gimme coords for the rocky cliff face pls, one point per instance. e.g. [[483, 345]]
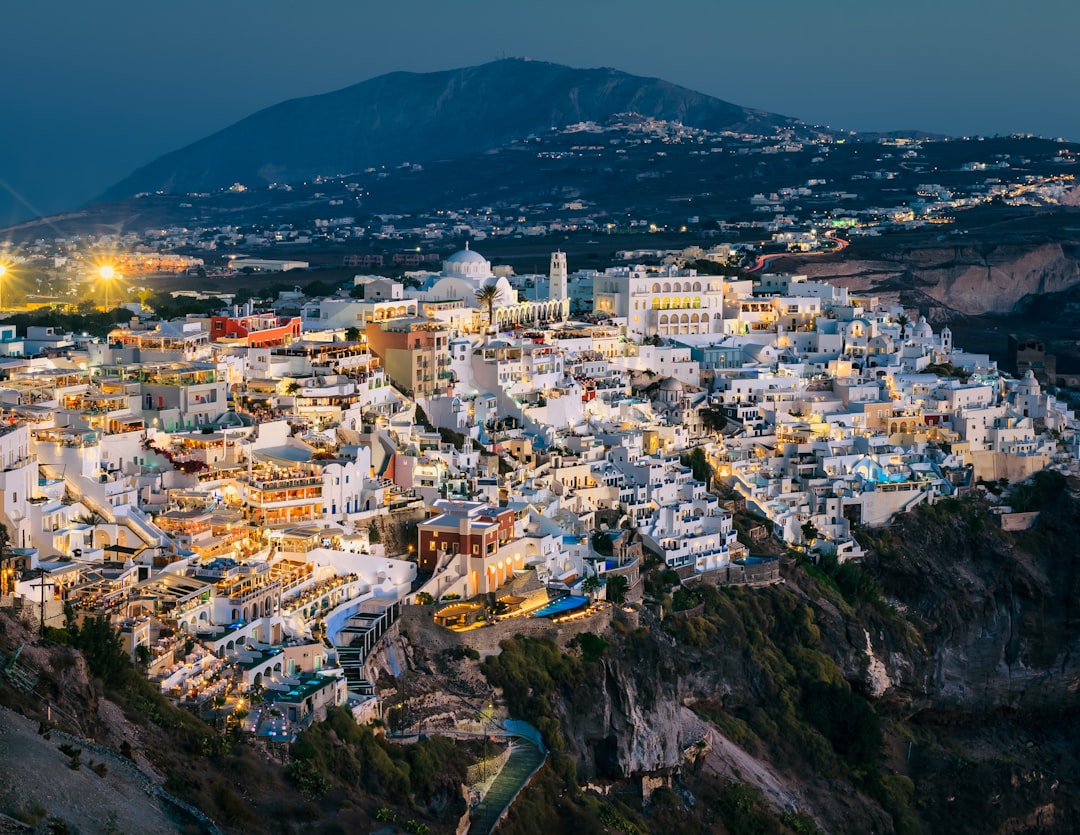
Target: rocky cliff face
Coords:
[[1001, 613], [968, 279], [625, 720], [983, 639]]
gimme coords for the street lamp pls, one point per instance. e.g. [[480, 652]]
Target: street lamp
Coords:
[[106, 272]]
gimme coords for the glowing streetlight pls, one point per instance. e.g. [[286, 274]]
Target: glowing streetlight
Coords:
[[106, 272]]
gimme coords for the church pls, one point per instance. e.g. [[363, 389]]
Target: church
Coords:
[[464, 273]]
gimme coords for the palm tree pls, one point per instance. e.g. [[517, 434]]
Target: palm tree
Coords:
[[617, 587], [903, 321], [487, 296], [590, 585], [93, 519]]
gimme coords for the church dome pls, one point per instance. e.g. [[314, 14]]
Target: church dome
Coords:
[[466, 256], [468, 264]]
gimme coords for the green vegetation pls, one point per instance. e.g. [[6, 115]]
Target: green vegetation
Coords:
[[530, 672], [1038, 492], [698, 462], [804, 710], [592, 646], [617, 587], [601, 543], [339, 753]]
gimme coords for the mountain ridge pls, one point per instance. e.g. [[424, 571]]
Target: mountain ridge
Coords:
[[416, 117]]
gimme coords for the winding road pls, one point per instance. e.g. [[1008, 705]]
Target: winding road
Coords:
[[763, 260]]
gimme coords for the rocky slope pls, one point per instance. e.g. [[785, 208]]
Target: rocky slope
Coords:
[[967, 279]]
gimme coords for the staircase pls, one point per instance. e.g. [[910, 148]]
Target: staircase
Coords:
[[355, 641], [525, 760]]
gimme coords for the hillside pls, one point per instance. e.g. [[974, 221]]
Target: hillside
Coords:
[[416, 117], [931, 689]]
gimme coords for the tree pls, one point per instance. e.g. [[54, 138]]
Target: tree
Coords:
[[590, 585], [487, 296], [601, 543], [617, 587], [903, 321], [698, 462], [93, 519], [713, 419], [352, 334], [809, 531]]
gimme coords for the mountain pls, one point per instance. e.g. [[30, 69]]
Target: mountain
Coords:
[[417, 117]]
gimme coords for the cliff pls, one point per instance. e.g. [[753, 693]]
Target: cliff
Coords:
[[969, 279], [895, 696]]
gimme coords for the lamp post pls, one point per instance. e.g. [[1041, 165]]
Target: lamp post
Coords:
[[106, 272]]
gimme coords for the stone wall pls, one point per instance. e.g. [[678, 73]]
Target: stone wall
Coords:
[[755, 574], [1017, 521]]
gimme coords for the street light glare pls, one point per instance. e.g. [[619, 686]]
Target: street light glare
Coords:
[[3, 270], [106, 272]]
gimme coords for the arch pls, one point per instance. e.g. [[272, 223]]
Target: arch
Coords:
[[667, 286], [685, 318], [258, 680], [235, 615], [656, 287], [676, 287], [663, 319], [696, 287], [687, 301], [656, 304]]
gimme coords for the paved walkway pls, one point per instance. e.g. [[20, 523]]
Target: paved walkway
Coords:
[[525, 759]]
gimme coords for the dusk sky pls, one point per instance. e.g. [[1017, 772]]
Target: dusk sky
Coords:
[[94, 90]]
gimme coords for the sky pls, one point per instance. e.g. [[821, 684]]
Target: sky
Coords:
[[93, 90]]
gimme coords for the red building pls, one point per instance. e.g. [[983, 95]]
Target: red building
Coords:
[[475, 529], [256, 330]]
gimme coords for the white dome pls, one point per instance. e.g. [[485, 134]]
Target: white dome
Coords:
[[467, 264], [466, 256]]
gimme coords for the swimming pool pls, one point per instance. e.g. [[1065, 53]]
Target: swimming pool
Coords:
[[560, 606]]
